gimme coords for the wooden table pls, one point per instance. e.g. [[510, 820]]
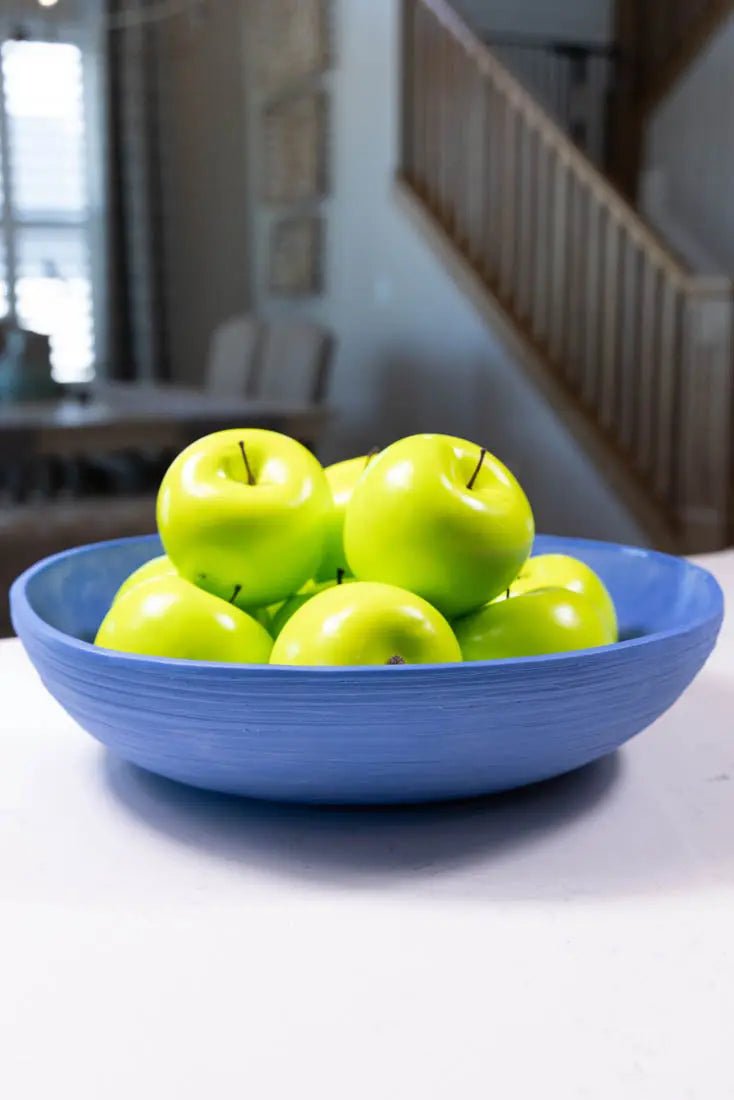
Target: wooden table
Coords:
[[123, 416]]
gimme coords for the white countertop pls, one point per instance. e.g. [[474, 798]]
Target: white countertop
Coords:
[[573, 941]]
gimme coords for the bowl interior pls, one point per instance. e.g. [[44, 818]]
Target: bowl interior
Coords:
[[654, 593], [72, 592]]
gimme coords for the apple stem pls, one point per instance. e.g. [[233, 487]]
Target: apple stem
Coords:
[[507, 594], [475, 475], [235, 594], [340, 574], [373, 454], [245, 459], [396, 660]]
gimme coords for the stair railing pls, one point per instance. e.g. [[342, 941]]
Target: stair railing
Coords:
[[644, 345], [572, 80]]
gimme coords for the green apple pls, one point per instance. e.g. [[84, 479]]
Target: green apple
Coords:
[[545, 620], [242, 514], [563, 571], [442, 518], [163, 567], [365, 624], [287, 610], [260, 615], [156, 567], [342, 477], [169, 617]]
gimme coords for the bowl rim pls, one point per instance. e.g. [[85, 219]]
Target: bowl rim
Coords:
[[22, 610]]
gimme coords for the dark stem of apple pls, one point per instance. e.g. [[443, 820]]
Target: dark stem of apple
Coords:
[[475, 475], [235, 594], [245, 459], [340, 574], [507, 594], [396, 660], [373, 454]]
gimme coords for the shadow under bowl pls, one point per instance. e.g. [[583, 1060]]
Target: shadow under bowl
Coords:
[[369, 735]]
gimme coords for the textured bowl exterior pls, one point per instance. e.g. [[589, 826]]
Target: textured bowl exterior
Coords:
[[369, 735]]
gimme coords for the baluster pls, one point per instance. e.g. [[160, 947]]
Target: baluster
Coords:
[[611, 321], [484, 198], [432, 116], [508, 241], [575, 311], [670, 344], [571, 311], [494, 189], [476, 174], [629, 355], [456, 140], [590, 385], [464, 71], [440, 107], [649, 352], [525, 266], [542, 224], [445, 125], [559, 260], [550, 239], [569, 349]]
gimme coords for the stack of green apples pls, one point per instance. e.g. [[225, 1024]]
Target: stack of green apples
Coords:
[[418, 554]]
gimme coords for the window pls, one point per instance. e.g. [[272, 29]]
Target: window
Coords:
[[45, 253]]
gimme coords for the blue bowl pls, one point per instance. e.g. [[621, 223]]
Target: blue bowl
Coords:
[[369, 735]]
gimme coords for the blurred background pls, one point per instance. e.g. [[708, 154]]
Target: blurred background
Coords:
[[351, 220]]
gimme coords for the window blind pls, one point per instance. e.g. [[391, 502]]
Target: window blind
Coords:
[[45, 268]]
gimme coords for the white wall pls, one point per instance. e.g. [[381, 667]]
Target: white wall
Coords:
[[584, 19], [691, 151], [414, 355]]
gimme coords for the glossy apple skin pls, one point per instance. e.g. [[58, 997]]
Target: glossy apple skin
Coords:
[[156, 567], [545, 620], [413, 522], [163, 567], [169, 617], [287, 610], [342, 477], [563, 571], [222, 533], [365, 624]]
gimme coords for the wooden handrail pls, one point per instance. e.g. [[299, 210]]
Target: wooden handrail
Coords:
[[489, 63], [640, 340]]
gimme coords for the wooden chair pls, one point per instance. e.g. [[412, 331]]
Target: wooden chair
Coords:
[[232, 355], [293, 363]]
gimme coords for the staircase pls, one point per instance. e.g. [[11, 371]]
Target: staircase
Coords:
[[571, 79], [633, 350]]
